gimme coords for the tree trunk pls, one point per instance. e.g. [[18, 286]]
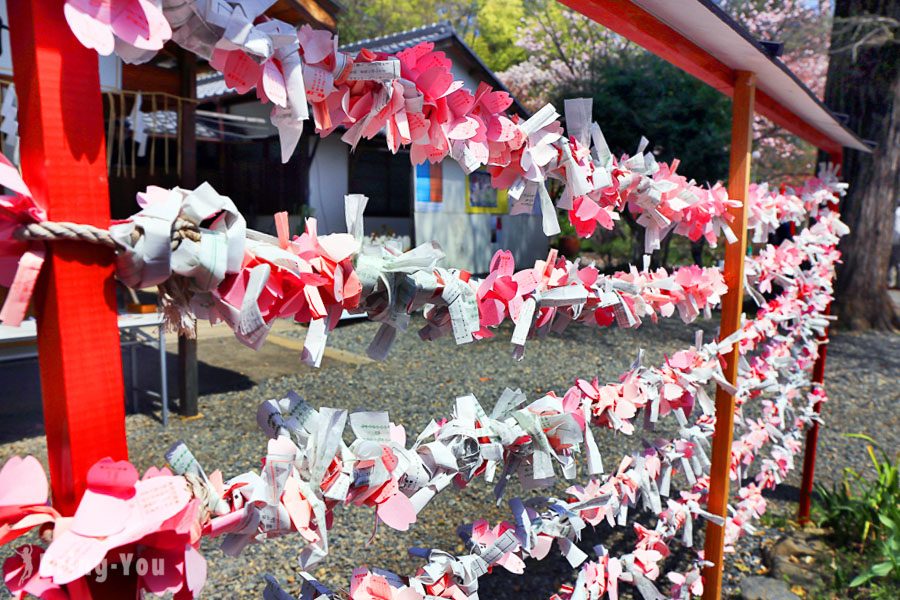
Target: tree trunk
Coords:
[[867, 88]]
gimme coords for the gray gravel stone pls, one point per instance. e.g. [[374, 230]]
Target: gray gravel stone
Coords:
[[766, 588], [420, 380]]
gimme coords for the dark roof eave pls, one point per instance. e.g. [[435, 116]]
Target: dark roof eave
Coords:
[[436, 33], [744, 33]]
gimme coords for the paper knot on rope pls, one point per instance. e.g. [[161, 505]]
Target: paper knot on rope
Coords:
[[195, 246], [185, 241]]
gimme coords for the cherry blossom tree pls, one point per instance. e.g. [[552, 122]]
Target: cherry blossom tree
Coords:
[[565, 50], [804, 27]]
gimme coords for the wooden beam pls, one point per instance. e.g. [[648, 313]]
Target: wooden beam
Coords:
[[644, 29], [784, 118], [149, 78], [187, 132], [732, 304], [64, 163], [633, 22], [296, 12], [318, 13]]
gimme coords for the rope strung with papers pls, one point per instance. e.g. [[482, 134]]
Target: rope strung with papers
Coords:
[[195, 246], [308, 470], [52, 231]]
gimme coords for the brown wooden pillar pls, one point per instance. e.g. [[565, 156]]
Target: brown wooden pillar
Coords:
[[187, 138]]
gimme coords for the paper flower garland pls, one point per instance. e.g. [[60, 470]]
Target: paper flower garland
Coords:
[[196, 247], [413, 99], [308, 470]]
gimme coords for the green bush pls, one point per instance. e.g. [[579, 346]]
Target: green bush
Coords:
[[864, 516]]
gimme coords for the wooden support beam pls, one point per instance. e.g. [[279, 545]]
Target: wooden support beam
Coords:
[[64, 164], [633, 22], [187, 133], [150, 78], [732, 303]]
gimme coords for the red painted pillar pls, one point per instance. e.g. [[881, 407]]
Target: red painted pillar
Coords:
[[742, 110], [812, 436], [64, 163]]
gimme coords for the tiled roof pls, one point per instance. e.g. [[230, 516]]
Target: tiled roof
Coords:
[[165, 123], [436, 32], [395, 42], [212, 85]]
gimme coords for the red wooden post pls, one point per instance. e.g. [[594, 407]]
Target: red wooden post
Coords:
[[64, 163], [732, 303], [812, 436]]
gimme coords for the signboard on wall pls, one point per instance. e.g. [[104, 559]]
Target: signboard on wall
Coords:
[[429, 187], [482, 197]]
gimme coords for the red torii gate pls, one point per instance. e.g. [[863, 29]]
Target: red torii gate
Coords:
[[699, 38], [63, 156], [64, 163]]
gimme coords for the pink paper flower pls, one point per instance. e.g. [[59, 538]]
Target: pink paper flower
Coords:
[[117, 509], [23, 498], [614, 404], [20, 262], [366, 585], [499, 295], [586, 214], [107, 25], [484, 536], [686, 585]]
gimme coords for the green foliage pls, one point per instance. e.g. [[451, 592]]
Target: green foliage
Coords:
[[374, 18], [774, 520], [615, 251], [565, 225], [864, 516], [488, 26], [495, 33]]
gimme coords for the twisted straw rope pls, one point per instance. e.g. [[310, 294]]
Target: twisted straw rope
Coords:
[[53, 231]]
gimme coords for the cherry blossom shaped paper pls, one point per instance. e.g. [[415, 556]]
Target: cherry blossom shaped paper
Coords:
[[103, 24]]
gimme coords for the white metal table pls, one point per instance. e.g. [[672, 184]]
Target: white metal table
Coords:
[[17, 343]]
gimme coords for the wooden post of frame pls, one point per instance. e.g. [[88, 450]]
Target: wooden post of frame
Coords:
[[64, 163], [188, 384], [738, 188]]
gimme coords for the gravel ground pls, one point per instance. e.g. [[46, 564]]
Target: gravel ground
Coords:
[[420, 380]]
